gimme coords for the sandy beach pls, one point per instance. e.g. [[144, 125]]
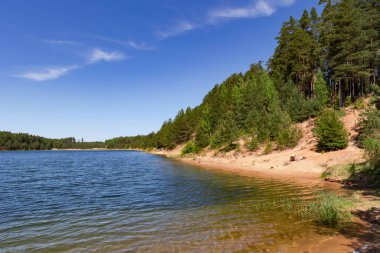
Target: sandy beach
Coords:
[[308, 165]]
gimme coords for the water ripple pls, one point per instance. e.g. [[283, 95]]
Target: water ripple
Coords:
[[134, 202]]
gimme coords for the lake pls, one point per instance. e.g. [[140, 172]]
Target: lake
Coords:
[[129, 201]]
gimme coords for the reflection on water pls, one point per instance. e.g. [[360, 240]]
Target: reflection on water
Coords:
[[118, 201]]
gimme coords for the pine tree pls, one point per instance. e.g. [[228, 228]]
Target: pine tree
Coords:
[[321, 90], [203, 133], [330, 132], [227, 131]]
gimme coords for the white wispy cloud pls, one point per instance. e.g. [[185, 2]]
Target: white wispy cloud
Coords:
[[139, 46], [252, 9], [126, 43], [63, 42], [47, 73], [95, 55], [179, 28], [51, 73], [98, 55], [255, 9]]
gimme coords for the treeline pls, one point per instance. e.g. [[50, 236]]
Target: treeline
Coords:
[[343, 43], [22, 141], [327, 60]]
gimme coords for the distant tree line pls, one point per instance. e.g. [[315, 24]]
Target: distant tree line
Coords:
[[21, 141], [327, 60]]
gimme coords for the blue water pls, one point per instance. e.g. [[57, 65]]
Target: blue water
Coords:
[[127, 201]]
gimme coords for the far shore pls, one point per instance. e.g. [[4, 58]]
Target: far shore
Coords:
[[74, 149]]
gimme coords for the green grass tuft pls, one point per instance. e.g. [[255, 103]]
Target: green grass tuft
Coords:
[[325, 208], [329, 209]]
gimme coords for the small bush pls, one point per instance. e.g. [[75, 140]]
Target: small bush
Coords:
[[340, 113], [268, 148], [330, 132], [369, 126], [372, 150], [347, 101], [374, 89], [369, 138], [377, 103], [190, 148], [253, 145], [288, 137], [359, 103]]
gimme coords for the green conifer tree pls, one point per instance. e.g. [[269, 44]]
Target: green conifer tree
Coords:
[[330, 132], [321, 90]]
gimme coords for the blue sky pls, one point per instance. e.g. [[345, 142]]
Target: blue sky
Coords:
[[97, 69]]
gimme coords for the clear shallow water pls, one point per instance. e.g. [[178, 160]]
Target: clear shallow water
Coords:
[[126, 201]]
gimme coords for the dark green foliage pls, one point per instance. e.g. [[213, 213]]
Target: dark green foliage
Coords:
[[172, 133], [294, 56], [203, 132], [288, 137], [297, 105], [227, 131], [350, 37], [268, 148], [369, 125], [374, 89], [372, 151], [343, 43], [330, 132], [253, 144], [190, 148], [369, 136], [321, 90], [21, 141], [376, 102]]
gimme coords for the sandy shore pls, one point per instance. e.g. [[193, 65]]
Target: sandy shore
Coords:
[[308, 165]]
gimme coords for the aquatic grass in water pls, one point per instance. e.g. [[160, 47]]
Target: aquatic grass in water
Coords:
[[329, 209], [325, 208]]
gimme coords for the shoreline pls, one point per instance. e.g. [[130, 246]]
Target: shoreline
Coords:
[[274, 165], [307, 165], [360, 235]]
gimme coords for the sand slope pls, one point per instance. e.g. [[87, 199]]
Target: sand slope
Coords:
[[309, 163]]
